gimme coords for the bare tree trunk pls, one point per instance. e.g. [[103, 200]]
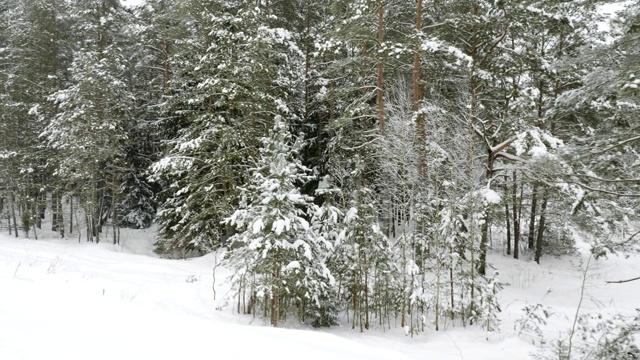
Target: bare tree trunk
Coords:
[[39, 208], [508, 218], [516, 218], [541, 225], [366, 298], [71, 214], [403, 309], [60, 219], [114, 215], [54, 210], [275, 298], [418, 96], [114, 225], [97, 215], [484, 242], [451, 288], [532, 219], [33, 224], [379, 80], [13, 212], [9, 224], [42, 206], [165, 68], [89, 229]]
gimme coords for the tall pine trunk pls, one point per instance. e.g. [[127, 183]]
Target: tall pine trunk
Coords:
[[532, 219], [541, 225], [13, 212], [380, 75], [508, 219], [71, 213], [516, 217], [54, 210], [421, 126]]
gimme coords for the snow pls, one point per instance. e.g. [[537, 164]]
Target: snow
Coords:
[[489, 196], [280, 225], [538, 152], [609, 12], [257, 226], [293, 265], [131, 3], [67, 300], [64, 300]]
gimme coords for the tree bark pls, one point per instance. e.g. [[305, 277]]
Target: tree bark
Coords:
[[532, 219], [508, 218], [379, 80], [71, 214], [421, 126], [541, 225], [60, 215], [13, 212], [114, 210], [516, 218], [484, 242]]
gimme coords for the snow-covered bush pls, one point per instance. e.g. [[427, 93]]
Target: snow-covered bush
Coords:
[[598, 337], [488, 304], [529, 325]]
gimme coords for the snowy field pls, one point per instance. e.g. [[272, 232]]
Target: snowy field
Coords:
[[61, 299]]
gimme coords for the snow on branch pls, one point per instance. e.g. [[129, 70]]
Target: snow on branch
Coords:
[[509, 157], [498, 148]]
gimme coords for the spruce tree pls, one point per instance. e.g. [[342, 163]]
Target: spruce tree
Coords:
[[279, 263], [234, 71], [93, 112]]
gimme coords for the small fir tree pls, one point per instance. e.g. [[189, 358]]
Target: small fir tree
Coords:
[[277, 261]]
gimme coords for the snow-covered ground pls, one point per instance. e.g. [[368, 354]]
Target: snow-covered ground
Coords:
[[60, 299]]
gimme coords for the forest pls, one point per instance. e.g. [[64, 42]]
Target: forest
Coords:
[[359, 159]]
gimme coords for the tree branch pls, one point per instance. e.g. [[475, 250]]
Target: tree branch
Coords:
[[623, 281]]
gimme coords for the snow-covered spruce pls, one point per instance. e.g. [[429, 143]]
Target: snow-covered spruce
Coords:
[[278, 262]]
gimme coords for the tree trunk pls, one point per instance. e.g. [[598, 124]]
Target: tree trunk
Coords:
[[516, 218], [114, 224], [39, 208], [421, 126], [60, 212], [541, 225], [54, 210], [89, 229], [13, 212], [33, 224], [275, 292], [366, 294], [508, 218], [451, 288], [380, 76], [71, 214], [484, 242], [114, 215], [532, 219], [165, 68]]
